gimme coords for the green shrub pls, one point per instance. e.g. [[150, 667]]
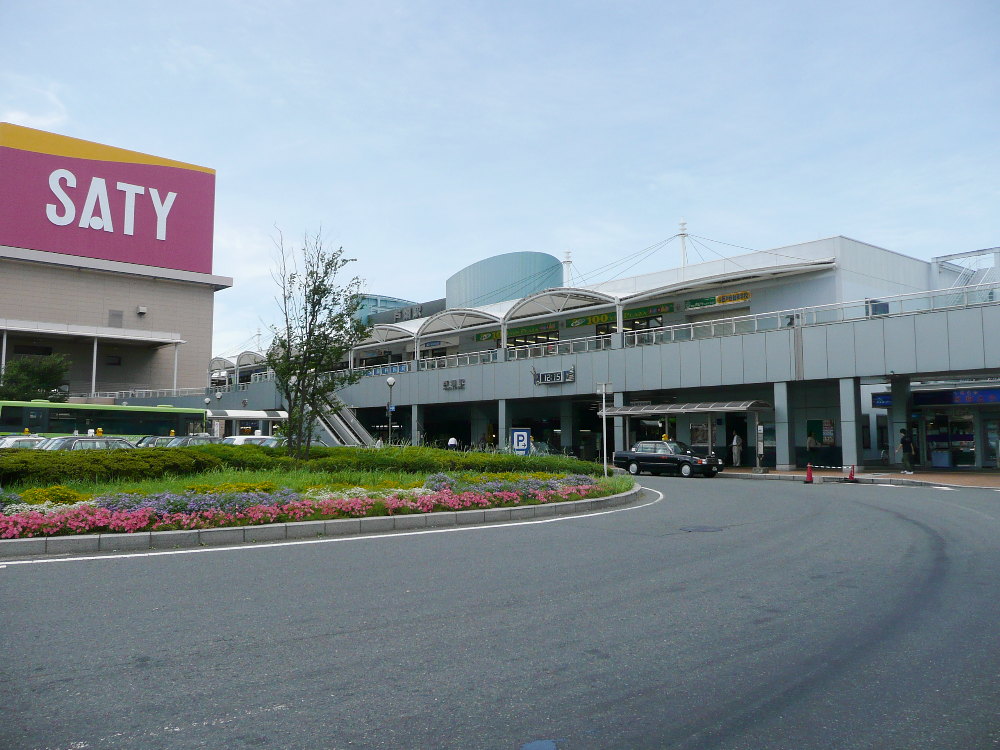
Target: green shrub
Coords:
[[52, 467], [57, 493]]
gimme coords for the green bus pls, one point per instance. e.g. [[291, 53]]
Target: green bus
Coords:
[[50, 419]]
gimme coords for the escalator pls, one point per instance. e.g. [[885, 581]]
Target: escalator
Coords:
[[343, 428]]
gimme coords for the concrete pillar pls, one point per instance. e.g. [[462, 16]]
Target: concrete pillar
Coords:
[[618, 340], [567, 426], [503, 424], [93, 369], [850, 423], [3, 353], [177, 348], [899, 416], [784, 437], [416, 424], [619, 400]]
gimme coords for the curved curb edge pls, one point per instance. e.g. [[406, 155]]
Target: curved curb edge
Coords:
[[144, 541]]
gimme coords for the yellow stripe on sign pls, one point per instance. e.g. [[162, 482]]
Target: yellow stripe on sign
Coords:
[[41, 142]]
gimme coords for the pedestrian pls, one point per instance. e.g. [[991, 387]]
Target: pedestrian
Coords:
[[811, 443], [453, 443], [906, 451], [737, 446]]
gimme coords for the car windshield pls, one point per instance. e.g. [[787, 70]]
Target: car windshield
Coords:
[[679, 447]]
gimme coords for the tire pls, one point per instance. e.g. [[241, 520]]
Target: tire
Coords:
[[711, 472], [633, 469], [685, 470]]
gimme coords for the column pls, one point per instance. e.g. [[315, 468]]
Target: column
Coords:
[[3, 353], [93, 369], [567, 427], [503, 426], [899, 387], [503, 343], [176, 350], [850, 423], [783, 433], [618, 340], [619, 400], [416, 421]]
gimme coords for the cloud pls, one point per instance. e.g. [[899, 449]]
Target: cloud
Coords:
[[32, 104]]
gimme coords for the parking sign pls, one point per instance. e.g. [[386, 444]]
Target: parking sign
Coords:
[[520, 440]]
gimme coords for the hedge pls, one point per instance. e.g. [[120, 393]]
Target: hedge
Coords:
[[31, 467]]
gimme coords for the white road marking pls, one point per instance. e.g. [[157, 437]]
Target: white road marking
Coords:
[[332, 540]]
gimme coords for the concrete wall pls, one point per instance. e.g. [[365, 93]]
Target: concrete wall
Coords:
[[36, 292]]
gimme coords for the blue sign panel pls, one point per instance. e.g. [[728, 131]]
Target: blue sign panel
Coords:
[[881, 400], [520, 440]]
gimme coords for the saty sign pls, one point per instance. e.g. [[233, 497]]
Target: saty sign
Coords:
[[65, 195]]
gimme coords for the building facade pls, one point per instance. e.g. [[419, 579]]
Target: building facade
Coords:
[[811, 340]]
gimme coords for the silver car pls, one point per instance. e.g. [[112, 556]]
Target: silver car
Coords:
[[85, 442]]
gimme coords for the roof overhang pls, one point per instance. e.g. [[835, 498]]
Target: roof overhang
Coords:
[[449, 321], [702, 407], [743, 276], [247, 414], [104, 333], [554, 301]]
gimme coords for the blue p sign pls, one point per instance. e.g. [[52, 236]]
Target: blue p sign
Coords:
[[520, 440]]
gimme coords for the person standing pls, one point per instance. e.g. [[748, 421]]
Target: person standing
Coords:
[[906, 451], [737, 446]]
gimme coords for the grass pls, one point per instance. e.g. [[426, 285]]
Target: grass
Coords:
[[299, 480]]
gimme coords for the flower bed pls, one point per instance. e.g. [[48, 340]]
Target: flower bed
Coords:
[[130, 513]]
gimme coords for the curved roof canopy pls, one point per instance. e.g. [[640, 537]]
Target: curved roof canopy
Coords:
[[249, 358], [447, 321], [558, 300]]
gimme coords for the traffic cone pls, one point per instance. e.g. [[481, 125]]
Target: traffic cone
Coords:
[[850, 477], [809, 474]]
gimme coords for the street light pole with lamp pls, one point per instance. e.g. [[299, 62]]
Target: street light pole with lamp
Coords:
[[204, 422], [389, 381]]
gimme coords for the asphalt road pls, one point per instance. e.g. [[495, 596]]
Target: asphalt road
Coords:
[[729, 614]]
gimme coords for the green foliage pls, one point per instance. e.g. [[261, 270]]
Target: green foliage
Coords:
[[48, 467], [317, 330], [26, 378], [253, 464], [57, 493]]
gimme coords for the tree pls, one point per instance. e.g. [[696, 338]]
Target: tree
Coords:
[[25, 378], [316, 332]]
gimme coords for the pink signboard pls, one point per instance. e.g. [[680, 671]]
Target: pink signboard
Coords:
[[64, 195]]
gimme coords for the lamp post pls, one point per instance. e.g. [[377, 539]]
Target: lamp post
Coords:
[[204, 425], [389, 381]]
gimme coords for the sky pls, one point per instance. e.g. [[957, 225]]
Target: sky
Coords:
[[425, 135]]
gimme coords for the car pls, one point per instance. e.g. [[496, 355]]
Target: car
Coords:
[[153, 441], [85, 442], [280, 442], [246, 440], [666, 456], [187, 441], [21, 441]]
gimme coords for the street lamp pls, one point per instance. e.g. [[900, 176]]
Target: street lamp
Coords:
[[204, 424], [389, 381]]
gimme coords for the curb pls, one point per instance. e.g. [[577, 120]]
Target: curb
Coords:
[[838, 480], [144, 541]]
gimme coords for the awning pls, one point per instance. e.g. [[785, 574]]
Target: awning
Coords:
[[247, 414], [703, 406]]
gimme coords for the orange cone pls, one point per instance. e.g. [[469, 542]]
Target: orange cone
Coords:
[[809, 474]]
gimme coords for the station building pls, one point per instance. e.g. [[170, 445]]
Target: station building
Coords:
[[106, 256], [836, 339]]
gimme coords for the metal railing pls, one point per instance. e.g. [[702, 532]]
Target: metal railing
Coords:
[[555, 348], [905, 304], [483, 357]]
